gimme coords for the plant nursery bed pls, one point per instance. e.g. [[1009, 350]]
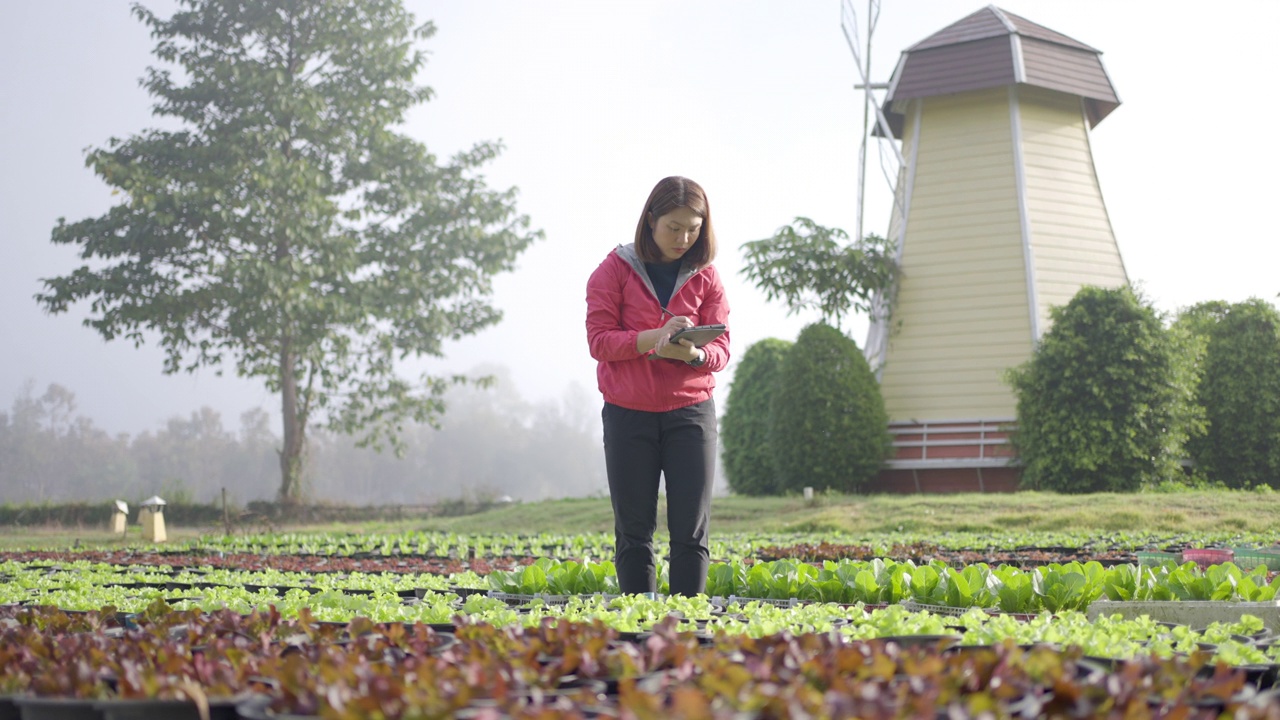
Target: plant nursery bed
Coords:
[[284, 563]]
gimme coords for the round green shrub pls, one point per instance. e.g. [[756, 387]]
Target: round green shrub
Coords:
[[747, 454], [1240, 393], [1104, 403], [829, 429]]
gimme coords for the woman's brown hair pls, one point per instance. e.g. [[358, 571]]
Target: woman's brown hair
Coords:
[[671, 193]]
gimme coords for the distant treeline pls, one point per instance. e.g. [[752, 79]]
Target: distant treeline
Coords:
[[491, 443]]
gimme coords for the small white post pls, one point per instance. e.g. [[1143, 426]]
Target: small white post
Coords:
[[120, 518], [152, 519], [808, 495]]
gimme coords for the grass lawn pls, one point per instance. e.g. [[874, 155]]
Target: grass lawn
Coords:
[[969, 512], [1216, 511]]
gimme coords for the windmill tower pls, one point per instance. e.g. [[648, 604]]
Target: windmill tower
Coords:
[[998, 217]]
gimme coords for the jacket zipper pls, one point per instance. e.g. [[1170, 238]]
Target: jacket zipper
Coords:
[[681, 280]]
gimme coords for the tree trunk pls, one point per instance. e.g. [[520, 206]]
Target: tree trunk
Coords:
[[291, 453], [294, 426]]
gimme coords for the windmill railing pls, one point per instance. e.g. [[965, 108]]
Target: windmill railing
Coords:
[[967, 443]]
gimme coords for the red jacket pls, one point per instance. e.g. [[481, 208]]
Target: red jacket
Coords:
[[621, 303]]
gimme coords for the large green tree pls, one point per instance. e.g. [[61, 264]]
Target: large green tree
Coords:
[[279, 221], [808, 265], [1239, 392], [1105, 402]]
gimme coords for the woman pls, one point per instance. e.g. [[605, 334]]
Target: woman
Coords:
[[659, 417]]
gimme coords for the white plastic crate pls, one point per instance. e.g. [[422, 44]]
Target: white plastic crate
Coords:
[[939, 609], [515, 600], [786, 603]]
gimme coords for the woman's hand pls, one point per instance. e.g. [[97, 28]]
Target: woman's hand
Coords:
[[659, 340], [680, 350], [677, 322]]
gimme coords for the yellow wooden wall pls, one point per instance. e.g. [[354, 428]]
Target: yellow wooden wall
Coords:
[[961, 315], [1072, 242]]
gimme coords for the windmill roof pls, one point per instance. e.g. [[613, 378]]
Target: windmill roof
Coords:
[[993, 48], [991, 21]]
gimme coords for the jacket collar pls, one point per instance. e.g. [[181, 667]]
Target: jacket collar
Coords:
[[629, 256]]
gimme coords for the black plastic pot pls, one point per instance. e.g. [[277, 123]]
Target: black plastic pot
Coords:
[[126, 620], [573, 684], [704, 639], [1085, 667], [633, 636], [259, 708], [445, 640], [1263, 677], [1088, 667], [487, 709], [51, 708], [932, 641], [1107, 663], [1217, 706], [8, 709], [153, 709]]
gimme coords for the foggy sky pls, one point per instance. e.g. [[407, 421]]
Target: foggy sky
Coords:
[[595, 102]]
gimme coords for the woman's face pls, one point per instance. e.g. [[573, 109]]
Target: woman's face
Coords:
[[675, 232]]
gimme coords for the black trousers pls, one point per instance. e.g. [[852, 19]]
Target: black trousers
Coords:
[[680, 446]]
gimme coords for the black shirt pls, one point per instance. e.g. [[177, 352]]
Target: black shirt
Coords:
[[663, 276]]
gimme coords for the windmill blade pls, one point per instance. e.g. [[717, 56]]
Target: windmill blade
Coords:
[[849, 26], [852, 36]]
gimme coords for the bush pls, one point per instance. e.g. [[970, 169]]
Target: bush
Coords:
[[829, 429], [747, 453], [1105, 403], [1240, 394]]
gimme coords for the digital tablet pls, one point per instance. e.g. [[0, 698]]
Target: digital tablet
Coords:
[[700, 335]]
